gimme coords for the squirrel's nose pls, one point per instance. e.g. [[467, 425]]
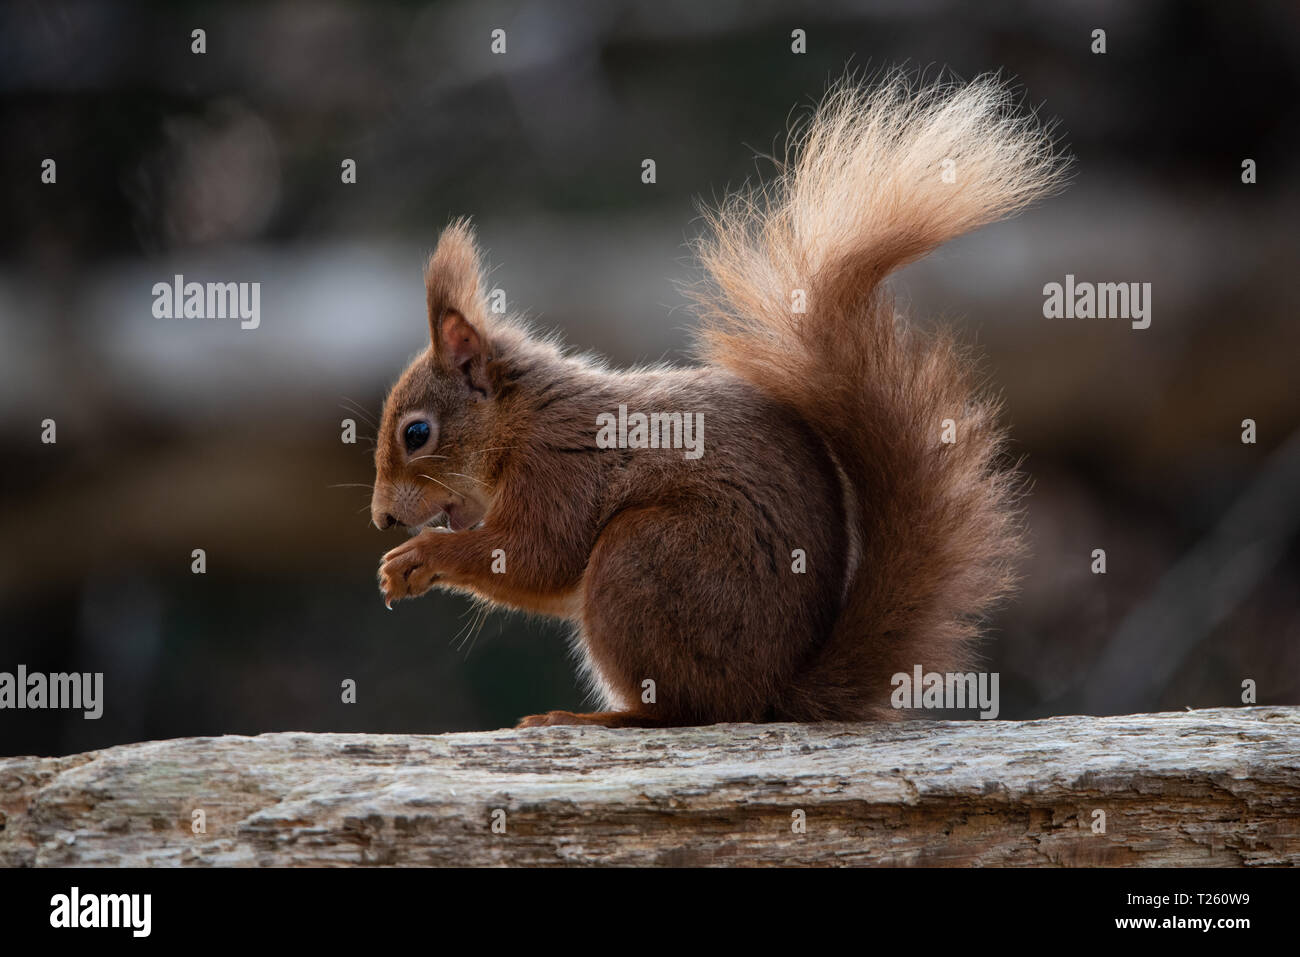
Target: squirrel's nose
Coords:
[[386, 522]]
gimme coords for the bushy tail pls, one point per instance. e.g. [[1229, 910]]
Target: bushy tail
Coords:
[[864, 191]]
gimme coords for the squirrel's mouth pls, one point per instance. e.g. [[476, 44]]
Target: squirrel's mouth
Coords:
[[438, 521], [450, 519]]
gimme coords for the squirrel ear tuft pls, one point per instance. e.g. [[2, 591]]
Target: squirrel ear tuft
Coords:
[[451, 280], [457, 311]]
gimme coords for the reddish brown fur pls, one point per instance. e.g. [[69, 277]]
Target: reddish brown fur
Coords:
[[822, 433]]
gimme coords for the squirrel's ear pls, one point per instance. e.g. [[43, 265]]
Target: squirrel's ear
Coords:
[[457, 312], [460, 348]]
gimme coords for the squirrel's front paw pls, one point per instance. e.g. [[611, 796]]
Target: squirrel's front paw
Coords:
[[406, 571]]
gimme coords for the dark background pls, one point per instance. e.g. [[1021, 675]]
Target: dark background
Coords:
[[225, 166]]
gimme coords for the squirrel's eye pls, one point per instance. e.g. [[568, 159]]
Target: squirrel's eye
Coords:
[[416, 434]]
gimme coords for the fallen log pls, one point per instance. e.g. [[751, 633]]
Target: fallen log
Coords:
[[1210, 788]]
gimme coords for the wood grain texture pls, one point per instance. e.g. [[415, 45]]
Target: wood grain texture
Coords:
[[1217, 787]]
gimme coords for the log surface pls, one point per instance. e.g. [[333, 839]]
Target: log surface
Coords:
[[1211, 788]]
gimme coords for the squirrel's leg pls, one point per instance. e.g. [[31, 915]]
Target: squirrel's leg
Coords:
[[681, 620]]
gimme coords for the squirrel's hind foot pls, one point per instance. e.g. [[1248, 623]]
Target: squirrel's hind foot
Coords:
[[603, 719]]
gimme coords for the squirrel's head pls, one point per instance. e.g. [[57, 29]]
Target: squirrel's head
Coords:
[[439, 418]]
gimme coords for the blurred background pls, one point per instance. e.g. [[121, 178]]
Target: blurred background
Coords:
[[225, 166]]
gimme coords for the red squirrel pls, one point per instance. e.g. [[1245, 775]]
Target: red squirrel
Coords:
[[828, 537]]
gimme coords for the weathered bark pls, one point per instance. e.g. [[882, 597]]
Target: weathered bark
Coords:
[[1219, 787]]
